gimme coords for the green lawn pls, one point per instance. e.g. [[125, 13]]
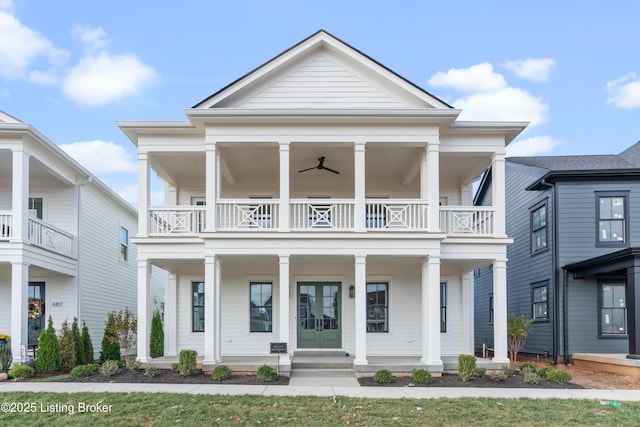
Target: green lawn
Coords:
[[145, 409]]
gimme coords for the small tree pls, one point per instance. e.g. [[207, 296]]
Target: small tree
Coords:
[[110, 346], [125, 328], [86, 344], [48, 356], [80, 355], [517, 332], [67, 347], [157, 336]]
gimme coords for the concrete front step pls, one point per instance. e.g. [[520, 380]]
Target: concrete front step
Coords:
[[320, 353], [322, 362]]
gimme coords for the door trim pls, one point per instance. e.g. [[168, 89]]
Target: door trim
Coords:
[[319, 284]]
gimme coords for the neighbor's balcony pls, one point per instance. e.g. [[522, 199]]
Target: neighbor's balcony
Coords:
[[39, 233], [318, 215]]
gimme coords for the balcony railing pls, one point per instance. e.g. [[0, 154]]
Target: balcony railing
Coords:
[[467, 220], [252, 214], [5, 225], [184, 220], [410, 215], [49, 237], [322, 214]]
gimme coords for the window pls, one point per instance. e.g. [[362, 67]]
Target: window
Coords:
[[261, 310], [197, 306], [36, 207], [612, 214], [377, 307], [613, 309], [443, 307], [540, 302], [539, 229], [124, 243], [491, 309]]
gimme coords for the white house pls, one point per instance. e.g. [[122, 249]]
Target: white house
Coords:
[[325, 202], [65, 241]]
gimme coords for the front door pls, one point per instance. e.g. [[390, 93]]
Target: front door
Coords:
[[35, 312], [319, 322]]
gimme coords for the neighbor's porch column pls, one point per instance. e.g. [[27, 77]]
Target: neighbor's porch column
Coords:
[[498, 189], [633, 310], [19, 301], [284, 186], [143, 194], [468, 336], [217, 328], [283, 280], [361, 310], [143, 309], [211, 191], [171, 315], [431, 314], [430, 184], [500, 311], [20, 197], [210, 278], [360, 209]]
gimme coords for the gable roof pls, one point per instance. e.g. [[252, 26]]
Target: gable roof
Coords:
[[319, 43]]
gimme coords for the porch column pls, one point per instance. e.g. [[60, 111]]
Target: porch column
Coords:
[[431, 314], [210, 276], [172, 194], [360, 209], [211, 192], [500, 311], [171, 315], [19, 301], [498, 189], [143, 194], [633, 310], [361, 310], [143, 309], [284, 186], [430, 184], [283, 280], [217, 327], [468, 337], [20, 197]]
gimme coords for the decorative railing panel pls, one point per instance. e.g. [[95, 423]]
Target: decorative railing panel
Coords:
[[5, 224], [397, 215], [467, 220], [252, 214], [182, 220], [318, 214], [49, 237]]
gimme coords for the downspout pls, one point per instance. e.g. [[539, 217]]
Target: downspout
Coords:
[[554, 267], [565, 327]]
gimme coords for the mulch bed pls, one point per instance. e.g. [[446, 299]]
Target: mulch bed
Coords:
[[166, 376], [453, 380]]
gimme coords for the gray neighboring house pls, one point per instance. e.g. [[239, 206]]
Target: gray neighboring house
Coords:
[[574, 266]]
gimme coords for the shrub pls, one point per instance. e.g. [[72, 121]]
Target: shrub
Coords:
[[501, 375], [157, 336], [20, 372], [133, 365], [187, 363], [467, 367], [110, 346], [67, 348], [267, 373], [527, 367], [84, 370], [383, 376], [422, 376], [5, 357], [81, 357], [531, 377], [150, 371], [544, 371], [221, 372], [87, 346], [174, 367], [109, 368], [481, 372], [124, 330], [517, 332], [559, 376], [48, 356]]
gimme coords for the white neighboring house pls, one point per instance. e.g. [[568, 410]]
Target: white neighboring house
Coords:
[[376, 260], [65, 242]]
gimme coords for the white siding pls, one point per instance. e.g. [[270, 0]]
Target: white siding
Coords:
[[5, 299], [451, 341], [60, 290]]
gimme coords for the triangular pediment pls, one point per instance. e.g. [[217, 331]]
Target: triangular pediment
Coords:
[[322, 72], [6, 118]]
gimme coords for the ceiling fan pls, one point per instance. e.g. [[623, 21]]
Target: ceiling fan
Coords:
[[320, 166]]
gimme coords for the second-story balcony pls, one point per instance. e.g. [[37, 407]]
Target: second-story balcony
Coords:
[[321, 215], [39, 233]]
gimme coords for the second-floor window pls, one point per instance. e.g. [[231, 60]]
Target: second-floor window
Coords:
[[539, 229], [612, 218], [36, 205], [124, 243]]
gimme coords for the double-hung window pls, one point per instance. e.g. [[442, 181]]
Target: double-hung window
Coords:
[[612, 214], [261, 306], [124, 244], [197, 306], [377, 307], [613, 308], [540, 301], [443, 307], [539, 228]]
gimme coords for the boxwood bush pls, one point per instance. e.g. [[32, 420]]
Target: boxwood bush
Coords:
[[220, 373], [267, 373], [383, 376], [85, 370], [559, 376], [422, 376], [20, 372]]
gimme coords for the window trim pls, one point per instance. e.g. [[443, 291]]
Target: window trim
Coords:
[[193, 306], [625, 226], [532, 209], [609, 335], [387, 291], [124, 247], [534, 286], [266, 307], [443, 307]]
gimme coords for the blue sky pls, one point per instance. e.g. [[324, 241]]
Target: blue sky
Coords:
[[74, 68]]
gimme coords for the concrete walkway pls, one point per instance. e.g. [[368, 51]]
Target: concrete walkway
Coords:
[[324, 390]]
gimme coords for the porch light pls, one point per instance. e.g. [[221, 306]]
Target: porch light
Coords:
[[352, 291]]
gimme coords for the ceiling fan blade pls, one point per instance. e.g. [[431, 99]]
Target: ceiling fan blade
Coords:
[[330, 170], [308, 169]]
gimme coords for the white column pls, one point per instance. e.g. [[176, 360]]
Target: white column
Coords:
[[433, 185], [284, 287], [209, 309], [171, 315], [143, 310], [20, 196], [498, 190], [217, 327], [500, 311], [211, 192], [19, 301], [361, 310], [171, 194], [360, 210], [284, 186], [143, 194], [467, 314], [431, 314]]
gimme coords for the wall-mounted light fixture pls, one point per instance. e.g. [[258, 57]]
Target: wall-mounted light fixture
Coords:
[[352, 291]]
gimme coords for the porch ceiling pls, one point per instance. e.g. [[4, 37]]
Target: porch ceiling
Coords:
[[38, 173]]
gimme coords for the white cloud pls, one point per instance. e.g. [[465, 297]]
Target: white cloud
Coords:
[[535, 69], [101, 157], [21, 45], [92, 38], [7, 5], [534, 146], [508, 104], [624, 92], [478, 78], [102, 79], [49, 77]]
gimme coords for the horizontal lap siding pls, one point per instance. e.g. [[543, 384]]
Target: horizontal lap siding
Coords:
[[451, 340], [5, 300]]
